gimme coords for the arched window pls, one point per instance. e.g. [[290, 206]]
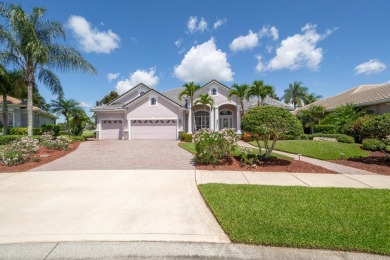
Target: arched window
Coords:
[[213, 91], [153, 101], [141, 93], [202, 120]]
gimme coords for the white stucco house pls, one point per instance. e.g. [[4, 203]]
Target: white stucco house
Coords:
[[145, 113]]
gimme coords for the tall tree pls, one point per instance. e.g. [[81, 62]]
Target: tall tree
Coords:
[[78, 121], [31, 46], [111, 96], [205, 99], [259, 90], [311, 98], [311, 116], [64, 107], [10, 81], [240, 91], [295, 94], [189, 92]]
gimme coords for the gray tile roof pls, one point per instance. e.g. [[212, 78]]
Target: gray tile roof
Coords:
[[173, 94], [362, 95], [108, 107]]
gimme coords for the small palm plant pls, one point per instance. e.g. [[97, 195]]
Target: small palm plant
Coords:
[[260, 90], [240, 91]]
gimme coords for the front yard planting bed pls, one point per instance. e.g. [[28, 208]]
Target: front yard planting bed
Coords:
[[45, 156], [319, 149], [278, 163], [302, 217]]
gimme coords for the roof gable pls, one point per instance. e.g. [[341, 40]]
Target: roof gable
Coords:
[[122, 98], [146, 95]]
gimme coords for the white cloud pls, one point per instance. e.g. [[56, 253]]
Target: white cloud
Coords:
[[298, 51], [219, 23], [195, 25], [260, 64], [178, 43], [146, 77], [112, 76], [85, 104], [268, 31], [203, 63], [370, 67], [245, 42], [90, 39]]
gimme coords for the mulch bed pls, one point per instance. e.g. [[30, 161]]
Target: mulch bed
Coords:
[[269, 165], [52, 155], [375, 162]]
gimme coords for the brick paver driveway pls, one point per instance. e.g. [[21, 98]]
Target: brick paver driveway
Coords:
[[121, 155]]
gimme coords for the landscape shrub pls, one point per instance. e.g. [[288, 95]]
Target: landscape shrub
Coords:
[[55, 143], [247, 157], [184, 137], [86, 136], [246, 137], [23, 131], [345, 139], [356, 128], [324, 129], [5, 139], [51, 128], [212, 146], [373, 145], [74, 138], [268, 123], [19, 151]]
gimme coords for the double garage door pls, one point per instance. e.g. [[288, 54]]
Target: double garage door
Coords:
[[153, 129], [140, 129]]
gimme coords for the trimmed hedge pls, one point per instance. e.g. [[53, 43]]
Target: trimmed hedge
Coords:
[[185, 137], [23, 131], [373, 145], [339, 137], [78, 138], [5, 139], [324, 129], [51, 128]]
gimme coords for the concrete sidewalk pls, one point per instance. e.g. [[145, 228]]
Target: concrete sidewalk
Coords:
[[168, 250], [294, 179], [324, 164]]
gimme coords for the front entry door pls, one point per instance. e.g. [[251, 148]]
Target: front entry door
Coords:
[[225, 121]]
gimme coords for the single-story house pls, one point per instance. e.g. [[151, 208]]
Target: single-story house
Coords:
[[145, 113], [375, 99], [17, 114]]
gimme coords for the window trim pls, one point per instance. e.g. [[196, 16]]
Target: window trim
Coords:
[[216, 91], [155, 101]]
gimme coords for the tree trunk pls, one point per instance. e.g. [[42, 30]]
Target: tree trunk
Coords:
[[67, 125], [5, 115], [30, 85], [192, 116], [242, 107]]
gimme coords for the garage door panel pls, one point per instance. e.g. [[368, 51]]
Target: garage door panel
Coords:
[[111, 129], [153, 129]]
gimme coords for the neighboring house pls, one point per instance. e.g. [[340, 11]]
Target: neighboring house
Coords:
[[375, 99], [145, 113], [17, 114]]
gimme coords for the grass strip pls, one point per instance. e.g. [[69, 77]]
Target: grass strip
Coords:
[[328, 218]]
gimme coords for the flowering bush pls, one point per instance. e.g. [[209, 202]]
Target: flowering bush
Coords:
[[59, 143], [212, 146], [19, 151], [248, 157]]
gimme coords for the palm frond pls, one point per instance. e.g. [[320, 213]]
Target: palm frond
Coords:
[[49, 79]]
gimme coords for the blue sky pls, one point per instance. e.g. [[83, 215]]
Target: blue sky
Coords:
[[330, 46]]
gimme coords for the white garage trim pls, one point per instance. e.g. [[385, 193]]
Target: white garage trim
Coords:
[[101, 135], [170, 129]]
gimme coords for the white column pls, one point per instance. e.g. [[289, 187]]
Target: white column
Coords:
[[216, 119], [211, 118], [238, 120], [189, 121]]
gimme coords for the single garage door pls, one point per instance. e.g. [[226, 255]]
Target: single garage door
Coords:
[[153, 129], [111, 129]]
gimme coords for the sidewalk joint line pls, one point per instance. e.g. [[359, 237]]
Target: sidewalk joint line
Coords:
[[307, 184], [358, 180], [51, 251]]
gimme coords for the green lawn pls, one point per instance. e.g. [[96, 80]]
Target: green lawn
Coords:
[[303, 217], [88, 132], [191, 148], [319, 149]]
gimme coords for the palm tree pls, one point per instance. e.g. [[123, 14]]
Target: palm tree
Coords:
[[64, 107], [260, 91], [205, 99], [240, 91], [295, 94], [30, 46], [189, 92], [311, 98], [10, 81], [311, 116]]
